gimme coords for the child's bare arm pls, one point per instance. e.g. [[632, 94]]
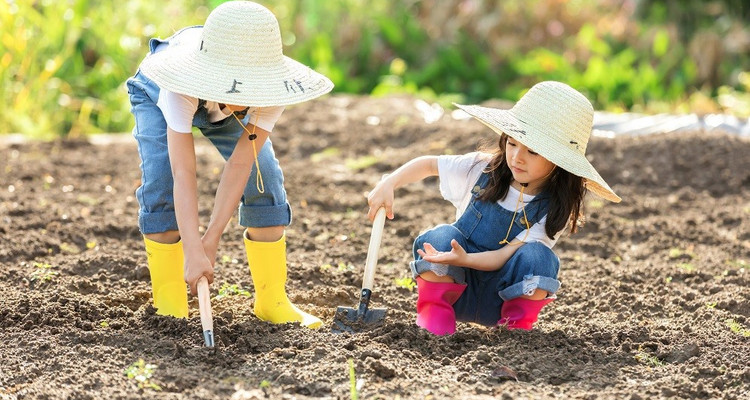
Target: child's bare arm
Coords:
[[483, 261], [234, 177], [182, 159], [413, 171]]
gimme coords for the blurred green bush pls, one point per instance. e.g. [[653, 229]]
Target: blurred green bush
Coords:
[[63, 63]]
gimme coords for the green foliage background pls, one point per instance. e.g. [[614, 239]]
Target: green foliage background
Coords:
[[63, 63]]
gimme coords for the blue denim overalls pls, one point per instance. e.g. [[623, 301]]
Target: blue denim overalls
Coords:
[[481, 228], [155, 195]]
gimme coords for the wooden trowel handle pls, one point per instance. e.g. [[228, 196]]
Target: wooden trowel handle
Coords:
[[372, 251], [204, 304]]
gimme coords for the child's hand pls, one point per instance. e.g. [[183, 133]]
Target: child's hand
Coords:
[[195, 268], [457, 255], [381, 196]]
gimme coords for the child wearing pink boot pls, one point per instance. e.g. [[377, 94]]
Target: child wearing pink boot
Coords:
[[495, 264]]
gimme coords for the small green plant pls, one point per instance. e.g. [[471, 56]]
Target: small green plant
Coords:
[[352, 381], [43, 272], [687, 267], [711, 304], [678, 253], [264, 384], [231, 290], [406, 282], [327, 153], [737, 328], [739, 264], [648, 359], [362, 162], [142, 373]]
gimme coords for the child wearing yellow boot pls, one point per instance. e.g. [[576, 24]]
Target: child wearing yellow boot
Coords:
[[229, 79], [494, 265]]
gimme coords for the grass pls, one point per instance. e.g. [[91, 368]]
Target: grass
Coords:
[[648, 359], [406, 282], [352, 381], [227, 290], [43, 272], [142, 372], [737, 328]]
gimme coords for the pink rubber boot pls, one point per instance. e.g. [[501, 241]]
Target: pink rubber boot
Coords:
[[435, 305], [520, 313]]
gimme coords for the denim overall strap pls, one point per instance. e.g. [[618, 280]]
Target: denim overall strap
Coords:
[[154, 42]]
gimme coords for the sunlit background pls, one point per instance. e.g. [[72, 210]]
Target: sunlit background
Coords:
[[63, 63]]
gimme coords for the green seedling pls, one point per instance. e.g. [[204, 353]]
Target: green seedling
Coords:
[[104, 324], [687, 267], [340, 267], [352, 381], [90, 245], [406, 282], [739, 264], [678, 253], [361, 162], [737, 328], [648, 359], [325, 154], [231, 290], [142, 373], [69, 248], [264, 384], [43, 272], [711, 304]]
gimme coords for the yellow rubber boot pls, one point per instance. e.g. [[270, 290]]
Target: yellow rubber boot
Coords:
[[267, 262], [165, 264]]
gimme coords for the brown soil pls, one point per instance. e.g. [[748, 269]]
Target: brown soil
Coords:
[[655, 300]]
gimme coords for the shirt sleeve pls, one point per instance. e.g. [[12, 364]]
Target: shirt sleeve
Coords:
[[178, 110], [538, 233], [265, 117], [458, 174]]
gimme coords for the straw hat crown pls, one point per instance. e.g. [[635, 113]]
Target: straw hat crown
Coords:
[[255, 37], [554, 120], [237, 60], [556, 108]]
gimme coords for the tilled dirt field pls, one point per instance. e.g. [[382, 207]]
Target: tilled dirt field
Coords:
[[655, 301]]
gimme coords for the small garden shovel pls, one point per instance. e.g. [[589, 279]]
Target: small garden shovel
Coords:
[[204, 305], [348, 319]]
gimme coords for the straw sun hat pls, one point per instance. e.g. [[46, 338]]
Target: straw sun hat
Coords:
[[554, 120], [238, 60]]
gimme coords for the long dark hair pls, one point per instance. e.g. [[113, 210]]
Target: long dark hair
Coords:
[[565, 190]]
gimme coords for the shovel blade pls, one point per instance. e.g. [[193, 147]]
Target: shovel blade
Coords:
[[349, 319]]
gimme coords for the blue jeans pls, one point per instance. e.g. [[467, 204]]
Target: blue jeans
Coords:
[[481, 228], [155, 195]]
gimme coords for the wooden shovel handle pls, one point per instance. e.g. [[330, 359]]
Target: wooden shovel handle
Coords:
[[372, 251], [204, 305]]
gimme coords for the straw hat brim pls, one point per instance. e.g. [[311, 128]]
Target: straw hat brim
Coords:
[[186, 70], [565, 157]]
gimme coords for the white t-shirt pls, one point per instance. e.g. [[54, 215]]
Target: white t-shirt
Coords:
[[179, 109], [458, 174]]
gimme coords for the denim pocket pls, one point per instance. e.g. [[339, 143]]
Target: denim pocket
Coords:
[[468, 221]]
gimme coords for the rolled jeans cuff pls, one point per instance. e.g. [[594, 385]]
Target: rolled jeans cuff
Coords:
[[157, 222], [264, 216], [421, 266], [528, 285]]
